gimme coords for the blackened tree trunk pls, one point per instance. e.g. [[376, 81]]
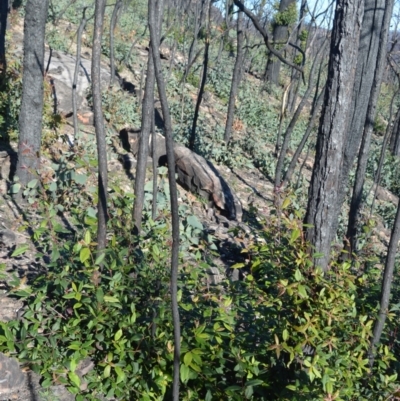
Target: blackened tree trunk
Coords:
[[3, 27], [30, 118], [365, 72], [99, 127], [76, 72], [173, 198], [394, 144], [386, 286], [113, 24], [198, 23], [300, 42], [279, 36], [356, 200], [235, 79], [316, 107], [143, 152], [192, 137], [321, 212]]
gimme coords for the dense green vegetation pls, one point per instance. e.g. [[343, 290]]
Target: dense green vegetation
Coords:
[[284, 332]]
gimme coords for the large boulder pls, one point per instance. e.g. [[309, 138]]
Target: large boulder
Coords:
[[61, 72], [195, 173]]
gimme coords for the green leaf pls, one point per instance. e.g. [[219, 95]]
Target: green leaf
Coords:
[[120, 374], [74, 379], [88, 237], [285, 335], [100, 259], [294, 236], [184, 373], [187, 359], [107, 371], [302, 291], [32, 183], [20, 250], [84, 254], [194, 222], [297, 275], [109, 298], [118, 335], [15, 188], [238, 266]]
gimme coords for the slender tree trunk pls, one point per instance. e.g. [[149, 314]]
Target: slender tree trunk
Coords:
[[293, 121], [299, 150], [113, 24], [235, 79], [294, 88], [155, 166], [76, 72], [386, 286], [173, 198], [30, 118], [143, 152], [197, 26], [192, 137], [102, 215], [3, 26], [279, 35], [358, 187], [394, 144], [365, 72], [321, 212]]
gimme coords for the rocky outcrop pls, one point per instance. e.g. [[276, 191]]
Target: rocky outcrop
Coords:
[[195, 173]]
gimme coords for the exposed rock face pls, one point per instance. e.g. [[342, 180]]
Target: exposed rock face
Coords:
[[194, 173], [61, 72], [11, 376]]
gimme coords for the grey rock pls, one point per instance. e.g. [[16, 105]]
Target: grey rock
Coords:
[[11, 376]]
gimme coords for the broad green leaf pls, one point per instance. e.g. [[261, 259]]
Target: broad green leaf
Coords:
[[107, 371], [294, 236], [84, 254], [109, 298], [20, 250], [194, 222], [118, 335], [32, 183], [74, 379], [187, 359], [88, 237]]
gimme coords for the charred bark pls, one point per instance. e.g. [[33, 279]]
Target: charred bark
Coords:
[[321, 215], [235, 79], [30, 118], [173, 197], [102, 215], [356, 200]]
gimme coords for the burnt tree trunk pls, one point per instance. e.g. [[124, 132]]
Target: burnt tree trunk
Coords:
[[293, 121], [30, 118], [365, 72], [113, 24], [192, 137], [386, 286], [321, 212], [279, 35], [102, 179], [173, 196], [358, 187], [76, 72], [3, 27], [147, 116], [235, 79], [394, 144]]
